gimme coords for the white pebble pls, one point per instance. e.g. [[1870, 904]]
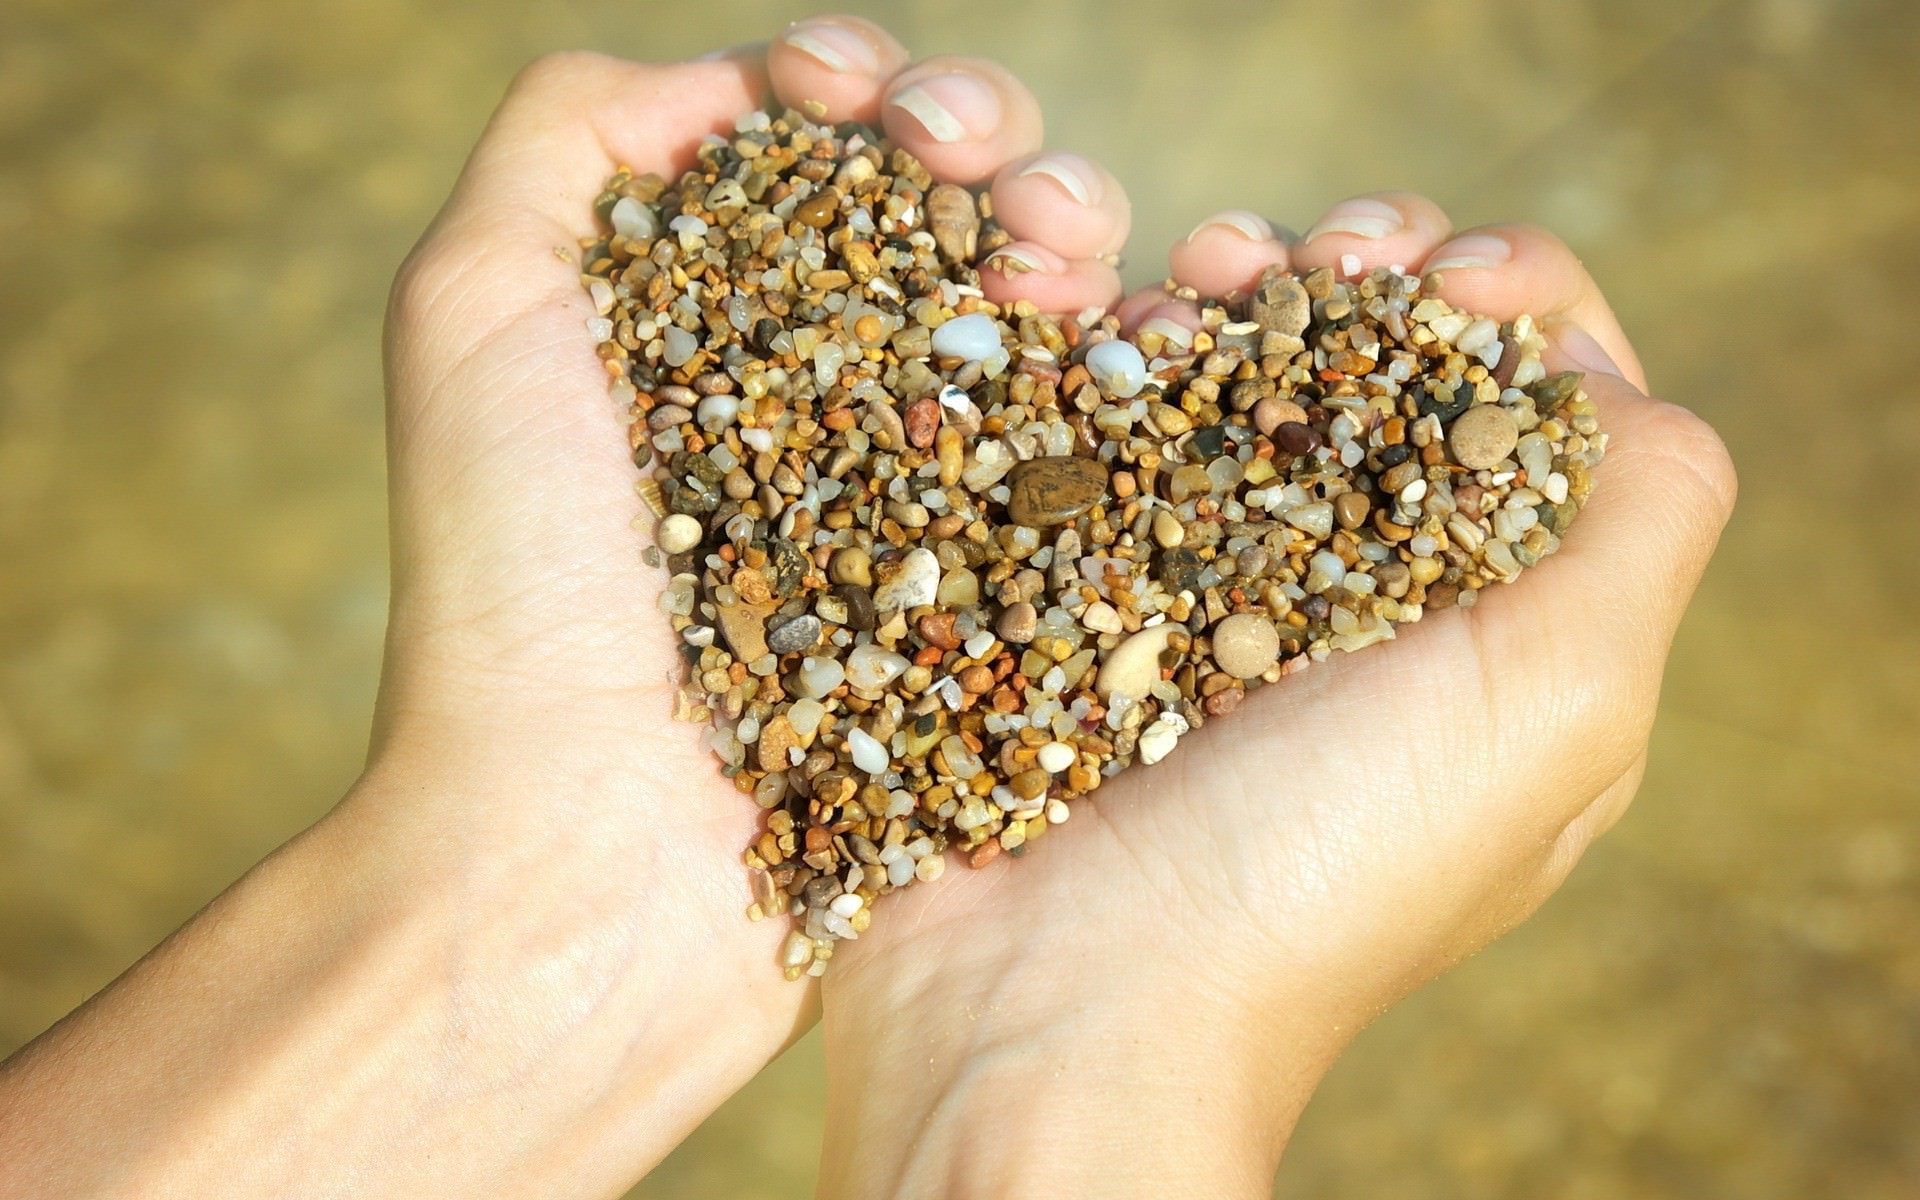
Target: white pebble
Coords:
[[633, 219], [973, 337], [679, 346], [717, 412], [847, 903], [869, 755], [915, 581], [871, 668], [1055, 757], [678, 533], [1118, 368]]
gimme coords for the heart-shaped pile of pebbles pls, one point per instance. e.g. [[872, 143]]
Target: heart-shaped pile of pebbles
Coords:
[[941, 568]]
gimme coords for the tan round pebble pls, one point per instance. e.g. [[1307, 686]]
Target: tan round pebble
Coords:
[[1275, 411], [1482, 436], [678, 533], [1245, 645]]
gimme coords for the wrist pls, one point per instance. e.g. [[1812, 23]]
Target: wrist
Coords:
[[1036, 1076]]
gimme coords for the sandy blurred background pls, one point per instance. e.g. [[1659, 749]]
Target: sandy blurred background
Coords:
[[201, 206]]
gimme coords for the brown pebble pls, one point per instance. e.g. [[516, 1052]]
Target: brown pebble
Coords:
[[1482, 436], [922, 421], [776, 738], [1054, 490], [937, 629], [1351, 508], [1017, 623], [1296, 438], [818, 209]]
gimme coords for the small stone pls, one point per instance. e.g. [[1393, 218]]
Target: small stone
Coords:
[[851, 564], [1055, 757], [1054, 490], [1482, 436], [796, 634], [745, 628], [868, 755], [776, 738], [1245, 645], [817, 210], [1280, 302], [1296, 438], [911, 582], [922, 421], [1275, 411], [1118, 368], [954, 222], [1351, 509], [1134, 666], [679, 533], [972, 337], [1017, 623], [1101, 618], [1167, 529], [1158, 739]]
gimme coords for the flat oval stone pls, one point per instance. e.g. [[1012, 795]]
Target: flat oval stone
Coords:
[[1482, 436], [1053, 491], [972, 337]]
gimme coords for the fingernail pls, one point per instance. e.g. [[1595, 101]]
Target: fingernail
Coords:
[[950, 107], [1248, 225], [1069, 171], [1580, 346], [1361, 217], [1474, 250], [1013, 260], [835, 47], [1169, 329]]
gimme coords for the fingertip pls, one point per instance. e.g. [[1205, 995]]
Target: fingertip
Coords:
[[964, 118], [834, 68], [1225, 254], [1065, 201], [1378, 229], [1032, 272]]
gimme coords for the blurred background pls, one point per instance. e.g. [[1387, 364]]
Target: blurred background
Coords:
[[201, 206]]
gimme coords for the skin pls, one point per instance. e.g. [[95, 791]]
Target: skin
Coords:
[[530, 975]]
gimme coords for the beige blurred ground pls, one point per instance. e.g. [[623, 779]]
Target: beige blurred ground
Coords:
[[200, 206]]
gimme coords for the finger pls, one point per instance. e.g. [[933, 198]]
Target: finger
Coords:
[[1505, 270], [569, 119], [1030, 271], [964, 118], [1225, 254], [1067, 203], [1381, 229], [834, 68]]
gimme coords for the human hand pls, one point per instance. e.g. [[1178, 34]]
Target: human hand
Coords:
[[524, 709], [1165, 986]]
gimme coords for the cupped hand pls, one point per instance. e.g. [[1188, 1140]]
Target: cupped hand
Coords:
[[1174, 967], [542, 789]]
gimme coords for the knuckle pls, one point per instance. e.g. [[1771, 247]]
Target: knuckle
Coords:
[[1698, 447]]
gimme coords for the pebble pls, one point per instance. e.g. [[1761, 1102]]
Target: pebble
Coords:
[[1017, 623], [953, 220], [678, 533], [1280, 302], [745, 628], [1274, 411], [972, 337], [909, 583], [1482, 436], [1118, 367], [869, 755], [1055, 757], [1245, 645], [796, 634], [1133, 667], [1167, 529], [1053, 490]]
